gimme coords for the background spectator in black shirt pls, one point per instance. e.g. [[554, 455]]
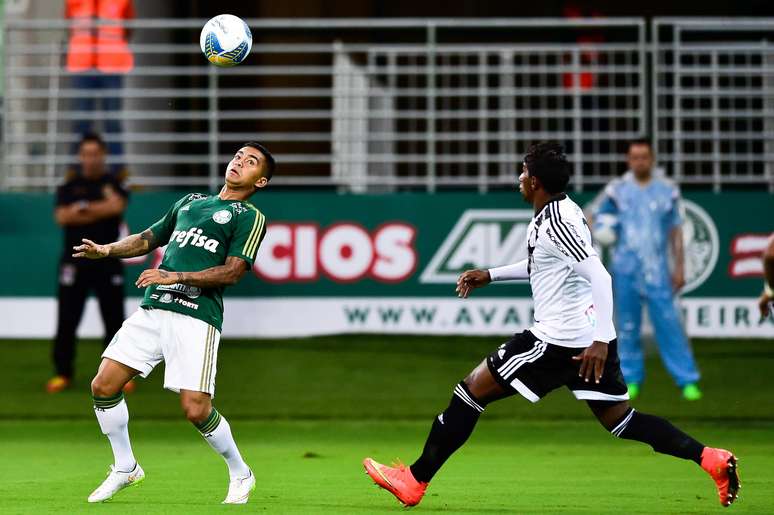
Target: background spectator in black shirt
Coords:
[[90, 204]]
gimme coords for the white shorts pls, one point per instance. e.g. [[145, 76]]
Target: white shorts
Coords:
[[187, 345]]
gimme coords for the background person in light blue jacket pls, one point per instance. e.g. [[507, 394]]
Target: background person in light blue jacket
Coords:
[[640, 213]]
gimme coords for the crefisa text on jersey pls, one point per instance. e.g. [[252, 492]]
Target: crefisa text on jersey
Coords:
[[194, 237]]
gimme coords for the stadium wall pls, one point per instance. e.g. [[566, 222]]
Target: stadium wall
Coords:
[[388, 263]]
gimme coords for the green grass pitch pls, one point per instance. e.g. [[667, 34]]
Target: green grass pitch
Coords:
[[305, 413]]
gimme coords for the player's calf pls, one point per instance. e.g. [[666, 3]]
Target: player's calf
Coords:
[[450, 430], [216, 431], [113, 418], [665, 438], [659, 434]]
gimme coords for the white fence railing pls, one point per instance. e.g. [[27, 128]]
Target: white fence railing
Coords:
[[379, 105], [713, 97]]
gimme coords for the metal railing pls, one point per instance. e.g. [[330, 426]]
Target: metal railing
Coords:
[[379, 105], [713, 97]]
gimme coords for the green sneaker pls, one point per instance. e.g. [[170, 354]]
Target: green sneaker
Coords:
[[691, 392], [634, 390]]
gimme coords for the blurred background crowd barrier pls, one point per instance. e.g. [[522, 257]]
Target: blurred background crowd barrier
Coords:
[[382, 105], [416, 117]]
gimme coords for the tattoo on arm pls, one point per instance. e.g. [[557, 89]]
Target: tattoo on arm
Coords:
[[131, 246], [147, 235], [216, 276]]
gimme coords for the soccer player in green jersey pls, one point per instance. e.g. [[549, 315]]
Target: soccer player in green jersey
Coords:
[[211, 242]]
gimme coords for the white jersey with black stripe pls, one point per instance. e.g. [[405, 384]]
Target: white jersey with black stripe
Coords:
[[558, 237]]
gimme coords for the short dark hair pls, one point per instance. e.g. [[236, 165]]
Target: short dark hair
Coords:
[[94, 138], [271, 164], [640, 141], [547, 161]]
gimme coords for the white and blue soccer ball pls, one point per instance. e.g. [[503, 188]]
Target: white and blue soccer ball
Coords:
[[605, 229], [226, 40]]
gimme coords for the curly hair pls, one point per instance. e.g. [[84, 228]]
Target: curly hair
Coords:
[[547, 161]]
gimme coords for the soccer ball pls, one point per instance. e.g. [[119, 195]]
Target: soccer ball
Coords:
[[226, 40]]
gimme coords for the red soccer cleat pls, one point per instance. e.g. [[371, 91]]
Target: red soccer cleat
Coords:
[[57, 384], [397, 480], [721, 465]]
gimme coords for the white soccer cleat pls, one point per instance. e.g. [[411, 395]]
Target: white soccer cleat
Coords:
[[239, 489], [115, 482]]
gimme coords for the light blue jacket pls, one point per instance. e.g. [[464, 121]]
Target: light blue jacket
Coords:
[[646, 217]]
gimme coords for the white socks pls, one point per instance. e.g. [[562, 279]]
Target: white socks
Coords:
[[217, 432], [113, 418]]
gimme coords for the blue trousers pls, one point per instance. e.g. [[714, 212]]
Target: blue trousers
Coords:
[[673, 345], [111, 126]]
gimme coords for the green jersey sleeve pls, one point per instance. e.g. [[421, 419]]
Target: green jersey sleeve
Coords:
[[248, 235], [162, 229]]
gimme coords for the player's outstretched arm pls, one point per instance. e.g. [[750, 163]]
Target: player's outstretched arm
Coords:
[[473, 279], [470, 280], [131, 246], [224, 275]]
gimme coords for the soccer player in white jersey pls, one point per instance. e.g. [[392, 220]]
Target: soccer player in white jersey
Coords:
[[572, 343]]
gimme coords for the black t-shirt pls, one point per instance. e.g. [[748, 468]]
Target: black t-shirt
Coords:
[[78, 189]]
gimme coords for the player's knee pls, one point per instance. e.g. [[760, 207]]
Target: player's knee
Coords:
[[196, 410], [101, 387], [196, 413], [471, 385], [463, 392], [610, 414], [482, 386]]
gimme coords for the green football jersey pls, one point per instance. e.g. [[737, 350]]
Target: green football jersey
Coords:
[[202, 231]]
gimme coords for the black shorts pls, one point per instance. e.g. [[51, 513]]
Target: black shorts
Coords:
[[534, 368]]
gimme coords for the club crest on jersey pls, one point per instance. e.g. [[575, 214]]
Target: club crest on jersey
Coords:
[[222, 217], [195, 238]]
